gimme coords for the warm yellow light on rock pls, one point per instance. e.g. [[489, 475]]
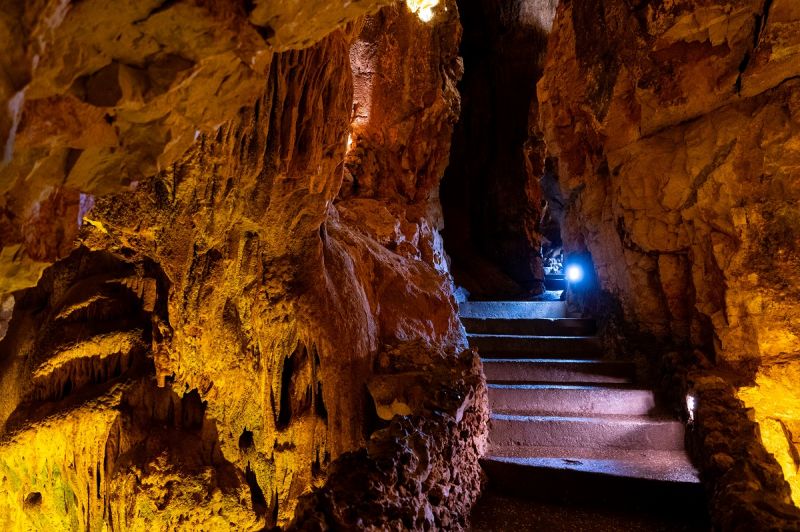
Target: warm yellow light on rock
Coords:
[[775, 401], [776, 439], [422, 8]]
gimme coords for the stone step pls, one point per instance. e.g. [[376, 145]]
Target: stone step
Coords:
[[596, 432], [570, 399], [630, 480], [671, 466], [501, 346], [555, 282], [513, 309], [531, 326], [532, 370]]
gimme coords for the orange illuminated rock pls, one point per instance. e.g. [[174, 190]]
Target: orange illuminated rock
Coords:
[[676, 127], [198, 302], [96, 95]]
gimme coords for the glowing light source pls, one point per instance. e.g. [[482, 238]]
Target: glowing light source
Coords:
[[349, 142], [691, 405], [422, 8], [574, 273]]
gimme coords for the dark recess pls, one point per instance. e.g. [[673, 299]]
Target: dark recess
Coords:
[[488, 211]]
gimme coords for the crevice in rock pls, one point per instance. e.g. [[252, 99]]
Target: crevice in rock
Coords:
[[372, 421], [742, 68], [702, 177], [284, 411], [256, 493], [163, 6], [275, 508], [319, 404], [761, 23], [33, 499], [246, 440]]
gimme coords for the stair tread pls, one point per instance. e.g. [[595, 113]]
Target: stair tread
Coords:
[[519, 317], [579, 372], [512, 309], [526, 325], [572, 399], [670, 465], [545, 383], [530, 417], [599, 387], [518, 451], [560, 361], [533, 336], [534, 360]]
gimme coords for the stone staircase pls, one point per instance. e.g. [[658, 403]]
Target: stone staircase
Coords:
[[567, 425]]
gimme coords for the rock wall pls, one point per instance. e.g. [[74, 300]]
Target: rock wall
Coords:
[[199, 303], [97, 95], [676, 127], [492, 203]]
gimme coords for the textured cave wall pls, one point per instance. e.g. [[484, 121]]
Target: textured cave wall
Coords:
[[492, 204], [676, 128], [202, 323], [98, 94], [399, 99]]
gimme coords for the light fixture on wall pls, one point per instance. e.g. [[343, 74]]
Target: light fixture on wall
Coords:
[[574, 273], [422, 8], [691, 405]]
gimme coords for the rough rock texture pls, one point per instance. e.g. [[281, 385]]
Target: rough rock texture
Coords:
[[492, 203], [676, 127], [200, 355], [401, 98], [421, 472], [97, 95], [749, 491]]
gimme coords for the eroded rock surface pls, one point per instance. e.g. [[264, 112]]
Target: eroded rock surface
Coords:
[[676, 127], [420, 472], [198, 300], [99, 95]]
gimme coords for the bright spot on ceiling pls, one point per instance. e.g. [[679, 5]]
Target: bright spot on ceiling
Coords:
[[422, 8]]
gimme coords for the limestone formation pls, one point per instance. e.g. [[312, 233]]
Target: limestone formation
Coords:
[[225, 303], [198, 303], [675, 126], [99, 95]]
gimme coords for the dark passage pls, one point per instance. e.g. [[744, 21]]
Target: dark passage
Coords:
[[491, 197]]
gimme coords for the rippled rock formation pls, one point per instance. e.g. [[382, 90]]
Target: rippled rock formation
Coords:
[[200, 292]]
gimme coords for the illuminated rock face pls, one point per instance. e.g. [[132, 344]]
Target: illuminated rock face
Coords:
[[677, 132], [97, 95], [231, 318]]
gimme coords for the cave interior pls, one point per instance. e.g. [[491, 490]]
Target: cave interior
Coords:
[[400, 265]]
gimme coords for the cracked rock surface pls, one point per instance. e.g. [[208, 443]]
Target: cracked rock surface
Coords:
[[675, 126]]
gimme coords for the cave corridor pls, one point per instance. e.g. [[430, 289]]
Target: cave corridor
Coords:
[[481, 265]]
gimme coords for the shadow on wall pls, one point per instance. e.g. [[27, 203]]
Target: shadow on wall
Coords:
[[492, 205]]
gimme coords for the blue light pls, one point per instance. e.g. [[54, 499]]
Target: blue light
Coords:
[[574, 273]]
